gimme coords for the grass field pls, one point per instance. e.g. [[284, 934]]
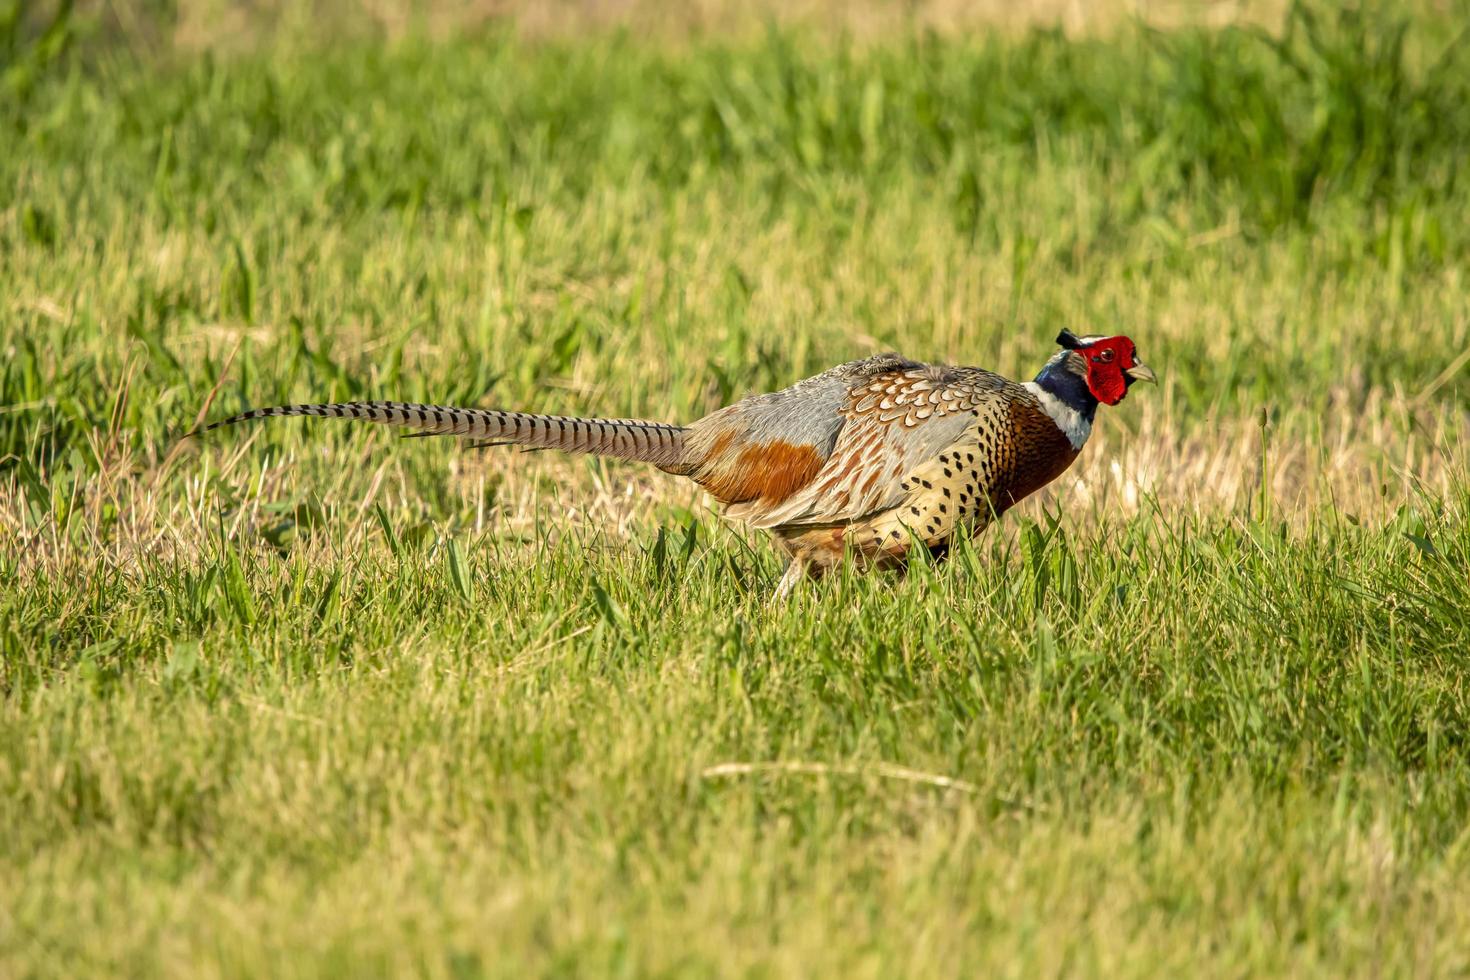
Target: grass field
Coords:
[[309, 699]]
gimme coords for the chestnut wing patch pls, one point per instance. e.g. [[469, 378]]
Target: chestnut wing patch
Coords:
[[758, 473]]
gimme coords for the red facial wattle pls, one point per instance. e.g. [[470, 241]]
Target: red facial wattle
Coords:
[[1107, 361]]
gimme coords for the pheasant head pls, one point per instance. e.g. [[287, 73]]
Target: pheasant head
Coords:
[[1108, 366]]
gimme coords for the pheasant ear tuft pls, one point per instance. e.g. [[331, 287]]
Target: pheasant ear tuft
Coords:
[[1068, 340]]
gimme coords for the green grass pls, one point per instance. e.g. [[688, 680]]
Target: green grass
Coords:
[[311, 699]]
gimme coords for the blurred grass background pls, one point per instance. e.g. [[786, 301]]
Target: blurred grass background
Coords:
[[307, 700]]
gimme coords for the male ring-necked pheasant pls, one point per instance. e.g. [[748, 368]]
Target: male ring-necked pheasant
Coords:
[[864, 459]]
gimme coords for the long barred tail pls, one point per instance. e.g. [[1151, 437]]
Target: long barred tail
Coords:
[[633, 439]]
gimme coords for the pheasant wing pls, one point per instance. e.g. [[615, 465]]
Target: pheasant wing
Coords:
[[759, 451], [892, 423]]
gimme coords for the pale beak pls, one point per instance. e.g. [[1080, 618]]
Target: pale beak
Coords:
[[1142, 372]]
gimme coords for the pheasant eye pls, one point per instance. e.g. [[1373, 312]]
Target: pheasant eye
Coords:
[[1104, 356]]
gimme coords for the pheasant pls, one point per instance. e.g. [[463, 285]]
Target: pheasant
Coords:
[[869, 459]]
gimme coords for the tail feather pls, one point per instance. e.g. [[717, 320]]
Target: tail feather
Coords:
[[633, 439]]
